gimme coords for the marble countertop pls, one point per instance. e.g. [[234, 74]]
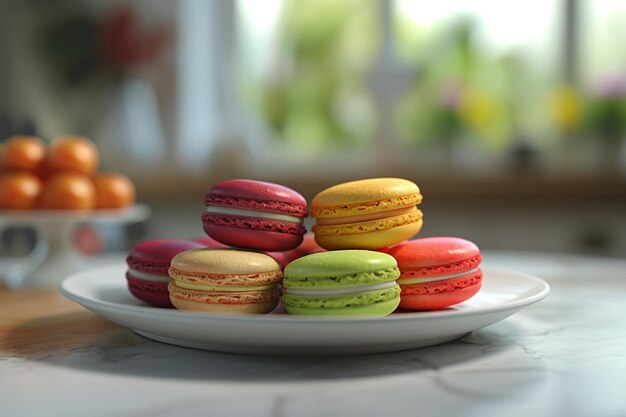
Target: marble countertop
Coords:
[[564, 356]]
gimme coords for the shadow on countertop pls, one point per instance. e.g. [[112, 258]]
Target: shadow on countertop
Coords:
[[86, 342]]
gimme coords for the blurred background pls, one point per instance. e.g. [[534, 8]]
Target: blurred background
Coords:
[[510, 116]]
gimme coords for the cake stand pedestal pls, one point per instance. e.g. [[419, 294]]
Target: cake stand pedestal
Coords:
[[54, 256]]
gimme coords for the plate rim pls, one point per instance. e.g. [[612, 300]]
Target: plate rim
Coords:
[[136, 212], [283, 318]]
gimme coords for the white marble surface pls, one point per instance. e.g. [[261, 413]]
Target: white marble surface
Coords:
[[564, 356]]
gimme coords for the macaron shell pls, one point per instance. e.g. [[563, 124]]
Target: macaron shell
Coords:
[[209, 242], [378, 302], [244, 302], [338, 263], [154, 293], [368, 226], [374, 240], [257, 308], [154, 256], [265, 240], [224, 261], [354, 197], [257, 195], [307, 247], [440, 294], [446, 269], [375, 310], [252, 223], [432, 251]]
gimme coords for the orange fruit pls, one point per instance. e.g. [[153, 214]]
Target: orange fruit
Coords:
[[2, 147], [24, 152], [114, 190], [68, 191], [73, 153], [19, 190]]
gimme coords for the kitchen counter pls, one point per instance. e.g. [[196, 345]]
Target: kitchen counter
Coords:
[[563, 356]]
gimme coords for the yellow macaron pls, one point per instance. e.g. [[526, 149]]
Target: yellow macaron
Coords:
[[367, 214]]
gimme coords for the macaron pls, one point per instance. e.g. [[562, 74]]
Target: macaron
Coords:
[[148, 263], [308, 246], [342, 283], [209, 242], [367, 214], [437, 272], [255, 215], [224, 281]]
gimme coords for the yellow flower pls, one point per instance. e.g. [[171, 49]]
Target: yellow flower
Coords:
[[477, 108], [566, 108], [485, 116]]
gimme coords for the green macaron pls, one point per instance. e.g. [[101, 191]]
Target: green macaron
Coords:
[[342, 282]]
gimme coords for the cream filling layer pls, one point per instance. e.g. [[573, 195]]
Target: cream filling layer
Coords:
[[145, 276], [418, 280], [254, 213], [222, 288], [341, 291]]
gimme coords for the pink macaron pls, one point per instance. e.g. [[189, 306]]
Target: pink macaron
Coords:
[[255, 215], [148, 263], [436, 272]]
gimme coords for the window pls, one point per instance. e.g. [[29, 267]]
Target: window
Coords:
[[304, 66], [470, 73], [352, 85], [483, 71]]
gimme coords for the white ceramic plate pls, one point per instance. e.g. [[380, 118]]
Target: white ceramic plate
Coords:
[[104, 291]]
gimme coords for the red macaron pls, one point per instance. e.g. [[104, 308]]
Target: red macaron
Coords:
[[210, 242], [255, 215], [436, 272], [307, 247], [148, 263]]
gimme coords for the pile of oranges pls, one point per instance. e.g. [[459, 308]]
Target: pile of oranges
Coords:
[[61, 175]]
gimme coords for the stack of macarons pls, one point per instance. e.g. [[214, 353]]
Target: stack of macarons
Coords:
[[359, 260], [367, 214], [253, 229], [381, 214]]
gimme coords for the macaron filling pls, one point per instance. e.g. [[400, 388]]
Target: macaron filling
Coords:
[[146, 276], [223, 288], [342, 301], [340, 291], [254, 213], [461, 283], [421, 280]]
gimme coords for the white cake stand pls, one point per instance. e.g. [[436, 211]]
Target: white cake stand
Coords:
[[54, 256]]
